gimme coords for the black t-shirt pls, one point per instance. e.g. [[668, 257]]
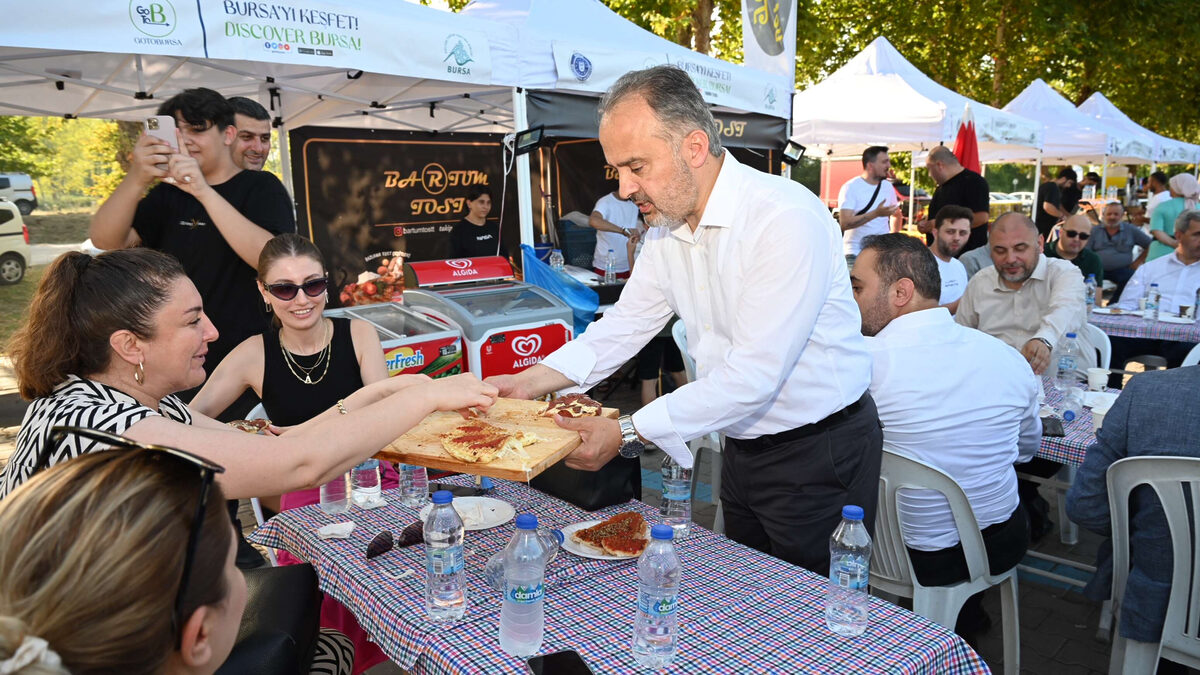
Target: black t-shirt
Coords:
[[1047, 193], [968, 189], [468, 240], [172, 221]]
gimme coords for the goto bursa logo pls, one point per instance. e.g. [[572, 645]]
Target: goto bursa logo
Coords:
[[156, 18], [277, 46]]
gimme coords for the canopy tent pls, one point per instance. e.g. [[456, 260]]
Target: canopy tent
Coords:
[[879, 98], [1070, 137], [1167, 150]]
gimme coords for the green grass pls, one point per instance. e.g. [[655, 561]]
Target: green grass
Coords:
[[58, 227], [14, 302]]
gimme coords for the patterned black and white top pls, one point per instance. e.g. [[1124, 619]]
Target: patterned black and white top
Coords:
[[78, 402]]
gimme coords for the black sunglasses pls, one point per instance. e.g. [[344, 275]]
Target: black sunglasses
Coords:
[[287, 291], [1081, 235], [208, 470]]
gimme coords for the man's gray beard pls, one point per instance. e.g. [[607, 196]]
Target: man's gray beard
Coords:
[[663, 220]]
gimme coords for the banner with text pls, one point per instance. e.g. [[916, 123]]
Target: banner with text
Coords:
[[769, 36]]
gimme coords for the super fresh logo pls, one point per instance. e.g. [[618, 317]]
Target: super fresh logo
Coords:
[[156, 19], [525, 595], [458, 49], [657, 606], [404, 358]]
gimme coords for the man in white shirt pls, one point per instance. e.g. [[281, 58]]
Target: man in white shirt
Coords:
[[1159, 193], [951, 229], [866, 203], [614, 220], [1178, 277], [984, 420], [751, 264]]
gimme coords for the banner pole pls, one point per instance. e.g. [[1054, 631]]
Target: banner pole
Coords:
[[524, 188]]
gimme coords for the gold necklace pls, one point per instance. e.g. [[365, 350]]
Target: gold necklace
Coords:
[[322, 356]]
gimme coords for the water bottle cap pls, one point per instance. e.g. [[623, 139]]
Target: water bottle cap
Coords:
[[1071, 335], [852, 512], [1068, 415], [526, 521], [442, 497], [664, 532]]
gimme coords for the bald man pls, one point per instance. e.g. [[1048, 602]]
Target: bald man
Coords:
[[959, 186], [1071, 245]]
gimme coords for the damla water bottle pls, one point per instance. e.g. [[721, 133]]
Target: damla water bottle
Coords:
[[493, 571], [610, 268], [676, 507], [846, 602], [364, 479], [557, 262], [445, 583], [335, 495], [1153, 298], [656, 627], [414, 485], [522, 619], [1070, 377], [1089, 293]]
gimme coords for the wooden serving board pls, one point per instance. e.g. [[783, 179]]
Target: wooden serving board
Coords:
[[422, 445]]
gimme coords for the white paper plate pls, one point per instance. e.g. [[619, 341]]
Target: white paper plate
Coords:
[[585, 552], [1175, 319], [478, 513], [1123, 312]]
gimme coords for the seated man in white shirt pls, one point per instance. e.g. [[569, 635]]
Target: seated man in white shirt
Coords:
[[972, 417], [614, 220], [951, 229], [1178, 277]]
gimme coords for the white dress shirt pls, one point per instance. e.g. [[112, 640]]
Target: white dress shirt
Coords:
[[1177, 283], [971, 414], [1048, 305], [762, 289]]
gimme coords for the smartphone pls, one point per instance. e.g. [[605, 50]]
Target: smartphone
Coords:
[[162, 127], [559, 663]]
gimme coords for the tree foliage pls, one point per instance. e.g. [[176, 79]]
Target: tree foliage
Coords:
[[22, 146]]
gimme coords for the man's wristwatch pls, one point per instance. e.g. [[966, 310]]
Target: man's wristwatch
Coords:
[[1045, 342], [631, 445]]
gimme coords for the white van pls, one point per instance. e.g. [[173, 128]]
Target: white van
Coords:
[[18, 189], [14, 244]]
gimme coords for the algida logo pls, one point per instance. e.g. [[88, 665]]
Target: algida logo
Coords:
[[155, 18]]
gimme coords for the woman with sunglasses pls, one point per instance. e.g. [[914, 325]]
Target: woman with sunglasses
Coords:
[[107, 342], [106, 568]]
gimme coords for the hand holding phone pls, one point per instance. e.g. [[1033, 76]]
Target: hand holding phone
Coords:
[[162, 129]]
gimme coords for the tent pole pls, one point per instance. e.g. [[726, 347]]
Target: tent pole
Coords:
[[1100, 190], [912, 188], [524, 189], [285, 159], [1037, 178]]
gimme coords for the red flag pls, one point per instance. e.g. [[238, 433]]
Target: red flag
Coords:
[[966, 144]]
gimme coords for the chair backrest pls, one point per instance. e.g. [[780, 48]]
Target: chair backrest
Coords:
[[689, 364], [1171, 478], [1193, 357], [1098, 339], [890, 564]]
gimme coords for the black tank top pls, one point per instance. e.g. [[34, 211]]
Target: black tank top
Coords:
[[287, 399]]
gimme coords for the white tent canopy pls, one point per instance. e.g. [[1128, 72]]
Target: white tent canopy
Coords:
[[879, 98], [1071, 137], [583, 46], [1168, 150]]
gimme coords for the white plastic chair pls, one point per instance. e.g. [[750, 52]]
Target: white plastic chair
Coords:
[[713, 442], [891, 568], [260, 413], [1193, 357], [1171, 478], [1099, 341]]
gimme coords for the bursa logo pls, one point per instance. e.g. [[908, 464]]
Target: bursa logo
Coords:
[[156, 19], [277, 46]]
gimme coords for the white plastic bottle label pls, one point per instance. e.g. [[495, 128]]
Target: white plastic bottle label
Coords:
[[1066, 363], [657, 606], [525, 595], [848, 578], [444, 560]]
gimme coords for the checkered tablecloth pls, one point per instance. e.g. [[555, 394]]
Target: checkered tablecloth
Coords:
[[740, 610], [1071, 448], [1132, 326]]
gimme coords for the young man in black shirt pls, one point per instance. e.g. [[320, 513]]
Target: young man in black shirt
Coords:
[[959, 186], [1050, 207], [204, 210]]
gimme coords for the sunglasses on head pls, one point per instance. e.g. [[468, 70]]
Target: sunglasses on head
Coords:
[[1080, 235], [206, 472], [287, 291]]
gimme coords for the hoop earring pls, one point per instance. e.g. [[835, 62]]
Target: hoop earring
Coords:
[[139, 375]]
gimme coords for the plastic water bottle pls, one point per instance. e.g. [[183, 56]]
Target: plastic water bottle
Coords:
[[335, 495], [364, 480], [445, 582], [656, 627], [522, 619], [556, 260], [1153, 299], [493, 571], [846, 605], [610, 268], [676, 506], [414, 485], [1089, 293]]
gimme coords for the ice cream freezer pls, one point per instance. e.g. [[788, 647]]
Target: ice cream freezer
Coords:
[[507, 325], [412, 343]]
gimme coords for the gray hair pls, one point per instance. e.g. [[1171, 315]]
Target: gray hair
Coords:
[[1021, 219], [1184, 222], [899, 256], [673, 97]]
